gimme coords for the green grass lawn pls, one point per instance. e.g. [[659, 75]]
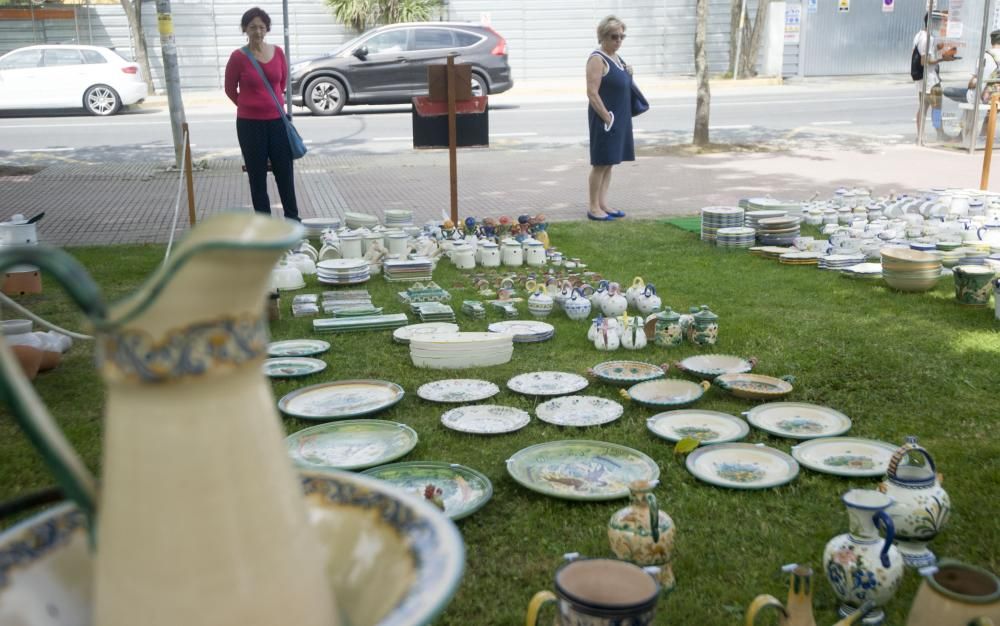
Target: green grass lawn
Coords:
[[897, 363]]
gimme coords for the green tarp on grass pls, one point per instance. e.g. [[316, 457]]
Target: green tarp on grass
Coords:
[[690, 224]]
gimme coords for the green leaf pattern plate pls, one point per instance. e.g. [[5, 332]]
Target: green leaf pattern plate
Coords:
[[626, 373], [464, 490], [350, 444], [341, 399], [742, 466], [845, 456]]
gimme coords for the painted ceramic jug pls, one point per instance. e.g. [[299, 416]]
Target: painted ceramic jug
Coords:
[[633, 336], [186, 530], [956, 594], [643, 534], [540, 304], [637, 287], [664, 328], [577, 306], [921, 507], [615, 303], [797, 610], [606, 337], [704, 328], [599, 592], [647, 302], [859, 564]]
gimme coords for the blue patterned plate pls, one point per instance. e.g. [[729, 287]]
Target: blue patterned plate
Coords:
[[462, 490], [742, 466], [845, 456], [350, 444]]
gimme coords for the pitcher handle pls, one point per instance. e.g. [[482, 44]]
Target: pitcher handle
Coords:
[[654, 517], [890, 534], [760, 603], [539, 600], [29, 411]]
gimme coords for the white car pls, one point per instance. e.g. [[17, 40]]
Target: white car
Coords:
[[68, 77]]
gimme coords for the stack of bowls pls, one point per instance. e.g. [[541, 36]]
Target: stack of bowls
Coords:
[[360, 220], [715, 217], [316, 225], [910, 270], [461, 350], [397, 218], [778, 231]]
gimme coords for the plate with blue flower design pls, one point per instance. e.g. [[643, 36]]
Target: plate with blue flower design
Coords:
[[742, 466], [845, 456], [705, 426], [798, 420], [297, 347]]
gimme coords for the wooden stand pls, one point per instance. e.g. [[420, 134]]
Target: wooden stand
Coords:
[[188, 174], [991, 126], [452, 142]]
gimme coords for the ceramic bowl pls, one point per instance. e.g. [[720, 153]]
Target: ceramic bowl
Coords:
[[666, 392], [410, 565], [285, 277], [755, 386]]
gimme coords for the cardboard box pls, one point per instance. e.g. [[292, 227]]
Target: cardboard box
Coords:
[[20, 283], [437, 82]]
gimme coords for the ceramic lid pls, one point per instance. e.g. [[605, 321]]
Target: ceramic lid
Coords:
[[705, 315], [669, 315]]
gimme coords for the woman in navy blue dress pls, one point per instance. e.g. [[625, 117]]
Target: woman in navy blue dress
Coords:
[[609, 90]]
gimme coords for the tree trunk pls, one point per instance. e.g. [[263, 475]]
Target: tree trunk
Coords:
[[704, 100], [133, 11], [734, 28], [751, 50]]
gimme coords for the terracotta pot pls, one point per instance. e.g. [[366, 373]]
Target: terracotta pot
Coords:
[[30, 359], [49, 360]]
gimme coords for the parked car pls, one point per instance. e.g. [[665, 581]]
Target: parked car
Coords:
[[57, 76], [388, 65]]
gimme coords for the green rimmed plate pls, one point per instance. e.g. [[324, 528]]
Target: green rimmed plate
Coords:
[[705, 426], [852, 457], [708, 366], [463, 490], [626, 373], [754, 386], [350, 444], [798, 420], [742, 466], [297, 347], [581, 470], [341, 399], [292, 366]]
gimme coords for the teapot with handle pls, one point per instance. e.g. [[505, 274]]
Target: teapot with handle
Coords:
[[198, 517]]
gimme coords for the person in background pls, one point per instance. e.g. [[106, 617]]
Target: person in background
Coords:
[[991, 69], [609, 90], [932, 96], [259, 127]]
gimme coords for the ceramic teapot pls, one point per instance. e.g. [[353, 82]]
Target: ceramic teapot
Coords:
[[647, 302], [921, 507], [956, 594], [797, 611], [577, 306], [180, 373], [637, 287], [664, 328], [600, 294], [643, 534], [615, 304]]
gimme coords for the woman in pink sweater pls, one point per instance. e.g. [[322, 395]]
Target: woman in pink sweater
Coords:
[[259, 127]]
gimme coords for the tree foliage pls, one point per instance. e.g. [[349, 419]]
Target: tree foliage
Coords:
[[362, 14]]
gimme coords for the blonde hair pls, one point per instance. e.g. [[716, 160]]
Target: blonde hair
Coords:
[[606, 25]]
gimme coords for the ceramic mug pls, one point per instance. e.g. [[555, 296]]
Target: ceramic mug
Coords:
[[956, 593], [973, 284], [599, 592]]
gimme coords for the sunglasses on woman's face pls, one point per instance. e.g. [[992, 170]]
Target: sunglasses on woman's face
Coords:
[[620, 37]]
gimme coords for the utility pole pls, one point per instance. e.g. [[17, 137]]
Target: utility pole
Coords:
[[168, 47], [288, 57]]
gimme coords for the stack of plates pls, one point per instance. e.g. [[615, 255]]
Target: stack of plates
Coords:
[[735, 237], [367, 322], [474, 309], [841, 261], [316, 225], [952, 257], [751, 218], [799, 257], [778, 231], [771, 252], [461, 350], [405, 334], [973, 256], [770, 204], [407, 270], [863, 270], [433, 311], [360, 220], [524, 331], [397, 218], [715, 217], [342, 271], [348, 299], [910, 270]]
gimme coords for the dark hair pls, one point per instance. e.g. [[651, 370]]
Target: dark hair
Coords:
[[252, 13], [995, 37]]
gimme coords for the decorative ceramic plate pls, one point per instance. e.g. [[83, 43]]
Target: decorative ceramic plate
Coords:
[[547, 383], [463, 490], [705, 426], [708, 366], [292, 366], [798, 420], [485, 419], [350, 444], [845, 456], [626, 373], [340, 399], [458, 390], [742, 466], [666, 392], [523, 330], [404, 334], [581, 470], [297, 347], [754, 386], [579, 411]]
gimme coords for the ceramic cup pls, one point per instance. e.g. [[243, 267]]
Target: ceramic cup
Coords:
[[973, 284], [600, 592]]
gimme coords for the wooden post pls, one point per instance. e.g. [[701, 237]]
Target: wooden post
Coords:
[[452, 140], [991, 127], [188, 174]]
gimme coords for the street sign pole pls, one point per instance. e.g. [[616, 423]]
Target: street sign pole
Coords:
[[288, 58], [168, 47]]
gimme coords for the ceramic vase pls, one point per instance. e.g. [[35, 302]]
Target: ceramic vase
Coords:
[[643, 534], [921, 507], [859, 564], [540, 304], [956, 594], [577, 306]]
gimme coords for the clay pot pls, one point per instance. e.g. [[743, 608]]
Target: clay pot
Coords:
[[29, 358]]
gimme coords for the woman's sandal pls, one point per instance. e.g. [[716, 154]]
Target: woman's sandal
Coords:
[[606, 218]]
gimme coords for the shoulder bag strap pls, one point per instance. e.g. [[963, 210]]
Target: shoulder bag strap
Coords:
[[246, 51]]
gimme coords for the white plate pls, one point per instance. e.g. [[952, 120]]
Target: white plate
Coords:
[[547, 383], [705, 426], [522, 330], [845, 456], [297, 347], [709, 366], [457, 390], [405, 334], [579, 411], [485, 419], [742, 466], [798, 420]]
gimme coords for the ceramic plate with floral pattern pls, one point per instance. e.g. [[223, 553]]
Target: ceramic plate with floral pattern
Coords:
[[458, 390], [705, 426], [626, 373], [798, 420], [754, 386], [297, 347], [742, 466], [547, 383], [579, 411], [350, 444], [666, 392], [485, 419], [708, 366], [292, 366], [461, 490], [845, 456], [581, 470], [341, 399]]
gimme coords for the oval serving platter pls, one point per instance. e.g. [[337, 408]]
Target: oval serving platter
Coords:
[[485, 419], [350, 444], [705, 426], [626, 373], [457, 390], [742, 466], [292, 366], [667, 392], [581, 470], [341, 399], [579, 411], [845, 456], [708, 366], [297, 347], [754, 386], [547, 383], [798, 420], [463, 490]]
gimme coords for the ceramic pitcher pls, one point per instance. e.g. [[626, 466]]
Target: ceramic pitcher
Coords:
[[599, 592], [797, 611], [643, 534], [199, 518], [956, 594]]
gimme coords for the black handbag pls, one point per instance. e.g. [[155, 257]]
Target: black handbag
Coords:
[[639, 103]]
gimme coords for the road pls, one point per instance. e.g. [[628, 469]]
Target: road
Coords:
[[881, 113]]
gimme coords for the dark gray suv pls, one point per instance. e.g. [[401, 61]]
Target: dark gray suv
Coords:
[[388, 65]]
